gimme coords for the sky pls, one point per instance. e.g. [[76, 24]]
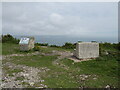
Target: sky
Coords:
[[85, 19]]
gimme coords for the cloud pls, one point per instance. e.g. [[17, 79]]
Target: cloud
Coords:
[[74, 19], [56, 18]]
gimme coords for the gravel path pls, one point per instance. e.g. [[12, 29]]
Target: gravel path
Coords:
[[11, 55]]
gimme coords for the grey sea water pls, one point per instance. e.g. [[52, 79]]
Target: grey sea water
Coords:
[[60, 40]]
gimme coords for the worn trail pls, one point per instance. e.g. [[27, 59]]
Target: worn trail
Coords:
[[65, 54]]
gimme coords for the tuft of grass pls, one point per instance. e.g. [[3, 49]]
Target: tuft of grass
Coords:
[[10, 71], [0, 48], [25, 83], [20, 78]]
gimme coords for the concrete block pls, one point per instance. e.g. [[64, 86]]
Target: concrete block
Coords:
[[86, 50]]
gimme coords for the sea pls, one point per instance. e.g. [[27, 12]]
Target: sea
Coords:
[[60, 40]]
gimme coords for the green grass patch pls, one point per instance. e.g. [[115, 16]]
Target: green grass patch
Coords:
[[0, 48], [48, 49], [20, 78], [60, 49], [11, 71], [34, 61], [106, 69], [9, 48], [61, 81]]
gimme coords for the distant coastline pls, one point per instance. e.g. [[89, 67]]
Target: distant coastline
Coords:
[[61, 39]]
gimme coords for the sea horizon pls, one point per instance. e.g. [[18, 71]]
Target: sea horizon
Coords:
[[62, 39]]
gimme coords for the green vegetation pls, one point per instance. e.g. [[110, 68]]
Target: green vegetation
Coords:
[[11, 48], [9, 39], [49, 49], [20, 78], [67, 74], [41, 44], [69, 46], [0, 48], [105, 69], [11, 71], [34, 61]]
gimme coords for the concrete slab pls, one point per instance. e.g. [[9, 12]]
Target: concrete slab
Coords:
[[79, 60]]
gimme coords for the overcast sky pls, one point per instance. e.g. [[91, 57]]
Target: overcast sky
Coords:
[[75, 19]]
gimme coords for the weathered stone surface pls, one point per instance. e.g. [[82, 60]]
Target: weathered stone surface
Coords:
[[86, 50], [26, 43]]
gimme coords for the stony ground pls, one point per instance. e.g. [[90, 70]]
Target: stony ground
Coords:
[[26, 76]]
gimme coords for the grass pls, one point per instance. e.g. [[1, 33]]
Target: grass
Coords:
[[60, 49], [0, 48], [20, 78], [104, 69], [10, 48], [106, 72], [11, 71], [48, 49], [34, 61]]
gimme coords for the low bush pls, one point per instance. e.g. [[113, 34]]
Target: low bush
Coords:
[[69, 46], [9, 39], [54, 46], [42, 44], [36, 48]]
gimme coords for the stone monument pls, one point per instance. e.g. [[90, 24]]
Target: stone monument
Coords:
[[87, 50], [26, 43]]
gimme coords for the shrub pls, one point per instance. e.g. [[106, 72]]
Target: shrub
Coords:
[[118, 46], [109, 48], [93, 41], [69, 46], [42, 44], [9, 39], [54, 46], [36, 48]]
